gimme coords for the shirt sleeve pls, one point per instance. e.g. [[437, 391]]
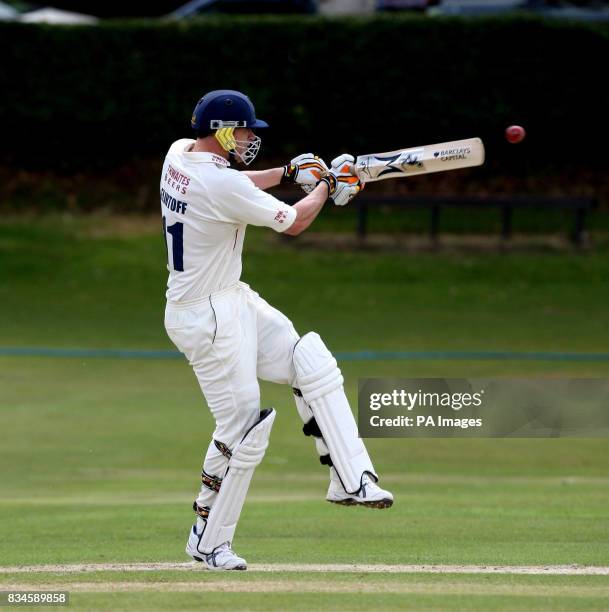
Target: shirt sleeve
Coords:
[[240, 201]]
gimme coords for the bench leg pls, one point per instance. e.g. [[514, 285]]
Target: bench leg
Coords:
[[506, 222], [578, 226], [434, 227], [362, 220]]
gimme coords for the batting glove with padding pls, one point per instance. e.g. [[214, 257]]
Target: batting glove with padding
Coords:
[[343, 185], [305, 170]]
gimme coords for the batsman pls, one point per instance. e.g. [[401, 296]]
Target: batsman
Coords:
[[230, 335]]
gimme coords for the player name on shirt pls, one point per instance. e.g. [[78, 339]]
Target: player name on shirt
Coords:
[[172, 203]]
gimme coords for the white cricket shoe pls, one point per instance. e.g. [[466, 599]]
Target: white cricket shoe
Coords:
[[370, 495], [222, 558]]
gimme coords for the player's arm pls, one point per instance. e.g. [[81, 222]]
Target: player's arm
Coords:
[[304, 170], [338, 184], [239, 200], [265, 179], [308, 208]]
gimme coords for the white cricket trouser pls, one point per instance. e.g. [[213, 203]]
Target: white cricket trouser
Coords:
[[231, 339]]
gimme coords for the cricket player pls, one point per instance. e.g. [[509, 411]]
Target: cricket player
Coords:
[[230, 335]]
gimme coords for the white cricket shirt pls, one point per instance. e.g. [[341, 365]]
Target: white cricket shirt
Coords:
[[206, 207]]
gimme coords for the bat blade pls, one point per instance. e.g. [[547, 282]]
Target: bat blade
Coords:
[[420, 160]]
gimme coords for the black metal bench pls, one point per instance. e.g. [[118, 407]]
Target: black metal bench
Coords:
[[580, 206]]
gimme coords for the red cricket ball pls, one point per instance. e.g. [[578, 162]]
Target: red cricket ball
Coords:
[[514, 134]]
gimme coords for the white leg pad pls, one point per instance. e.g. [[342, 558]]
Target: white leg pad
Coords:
[[321, 385], [227, 507]]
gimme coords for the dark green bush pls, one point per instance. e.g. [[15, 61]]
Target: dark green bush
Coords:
[[95, 96]]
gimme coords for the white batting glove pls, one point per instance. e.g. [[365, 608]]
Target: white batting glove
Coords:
[[343, 185], [305, 170]]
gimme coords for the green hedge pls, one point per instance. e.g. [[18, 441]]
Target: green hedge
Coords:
[[88, 96]]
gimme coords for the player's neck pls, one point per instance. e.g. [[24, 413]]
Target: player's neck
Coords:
[[209, 145]]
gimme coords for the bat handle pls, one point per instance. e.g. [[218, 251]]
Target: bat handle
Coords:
[[345, 169]]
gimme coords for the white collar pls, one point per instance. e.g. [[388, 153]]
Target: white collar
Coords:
[[205, 157]]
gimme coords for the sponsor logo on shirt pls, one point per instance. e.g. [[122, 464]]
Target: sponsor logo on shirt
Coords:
[[176, 180], [220, 161], [281, 216]]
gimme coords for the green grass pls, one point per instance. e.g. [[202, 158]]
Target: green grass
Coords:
[[290, 591], [100, 457], [341, 601], [68, 289]]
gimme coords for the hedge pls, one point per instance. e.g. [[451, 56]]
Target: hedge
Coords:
[[98, 95]]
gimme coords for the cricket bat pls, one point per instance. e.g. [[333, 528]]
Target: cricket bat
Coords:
[[420, 160]]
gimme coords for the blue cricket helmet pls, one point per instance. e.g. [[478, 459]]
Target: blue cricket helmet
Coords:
[[225, 108]]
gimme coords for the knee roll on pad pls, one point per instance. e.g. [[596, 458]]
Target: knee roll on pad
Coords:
[[246, 456], [321, 385], [316, 368]]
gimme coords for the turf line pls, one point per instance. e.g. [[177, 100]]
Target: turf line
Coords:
[[222, 582], [118, 353], [546, 570]]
